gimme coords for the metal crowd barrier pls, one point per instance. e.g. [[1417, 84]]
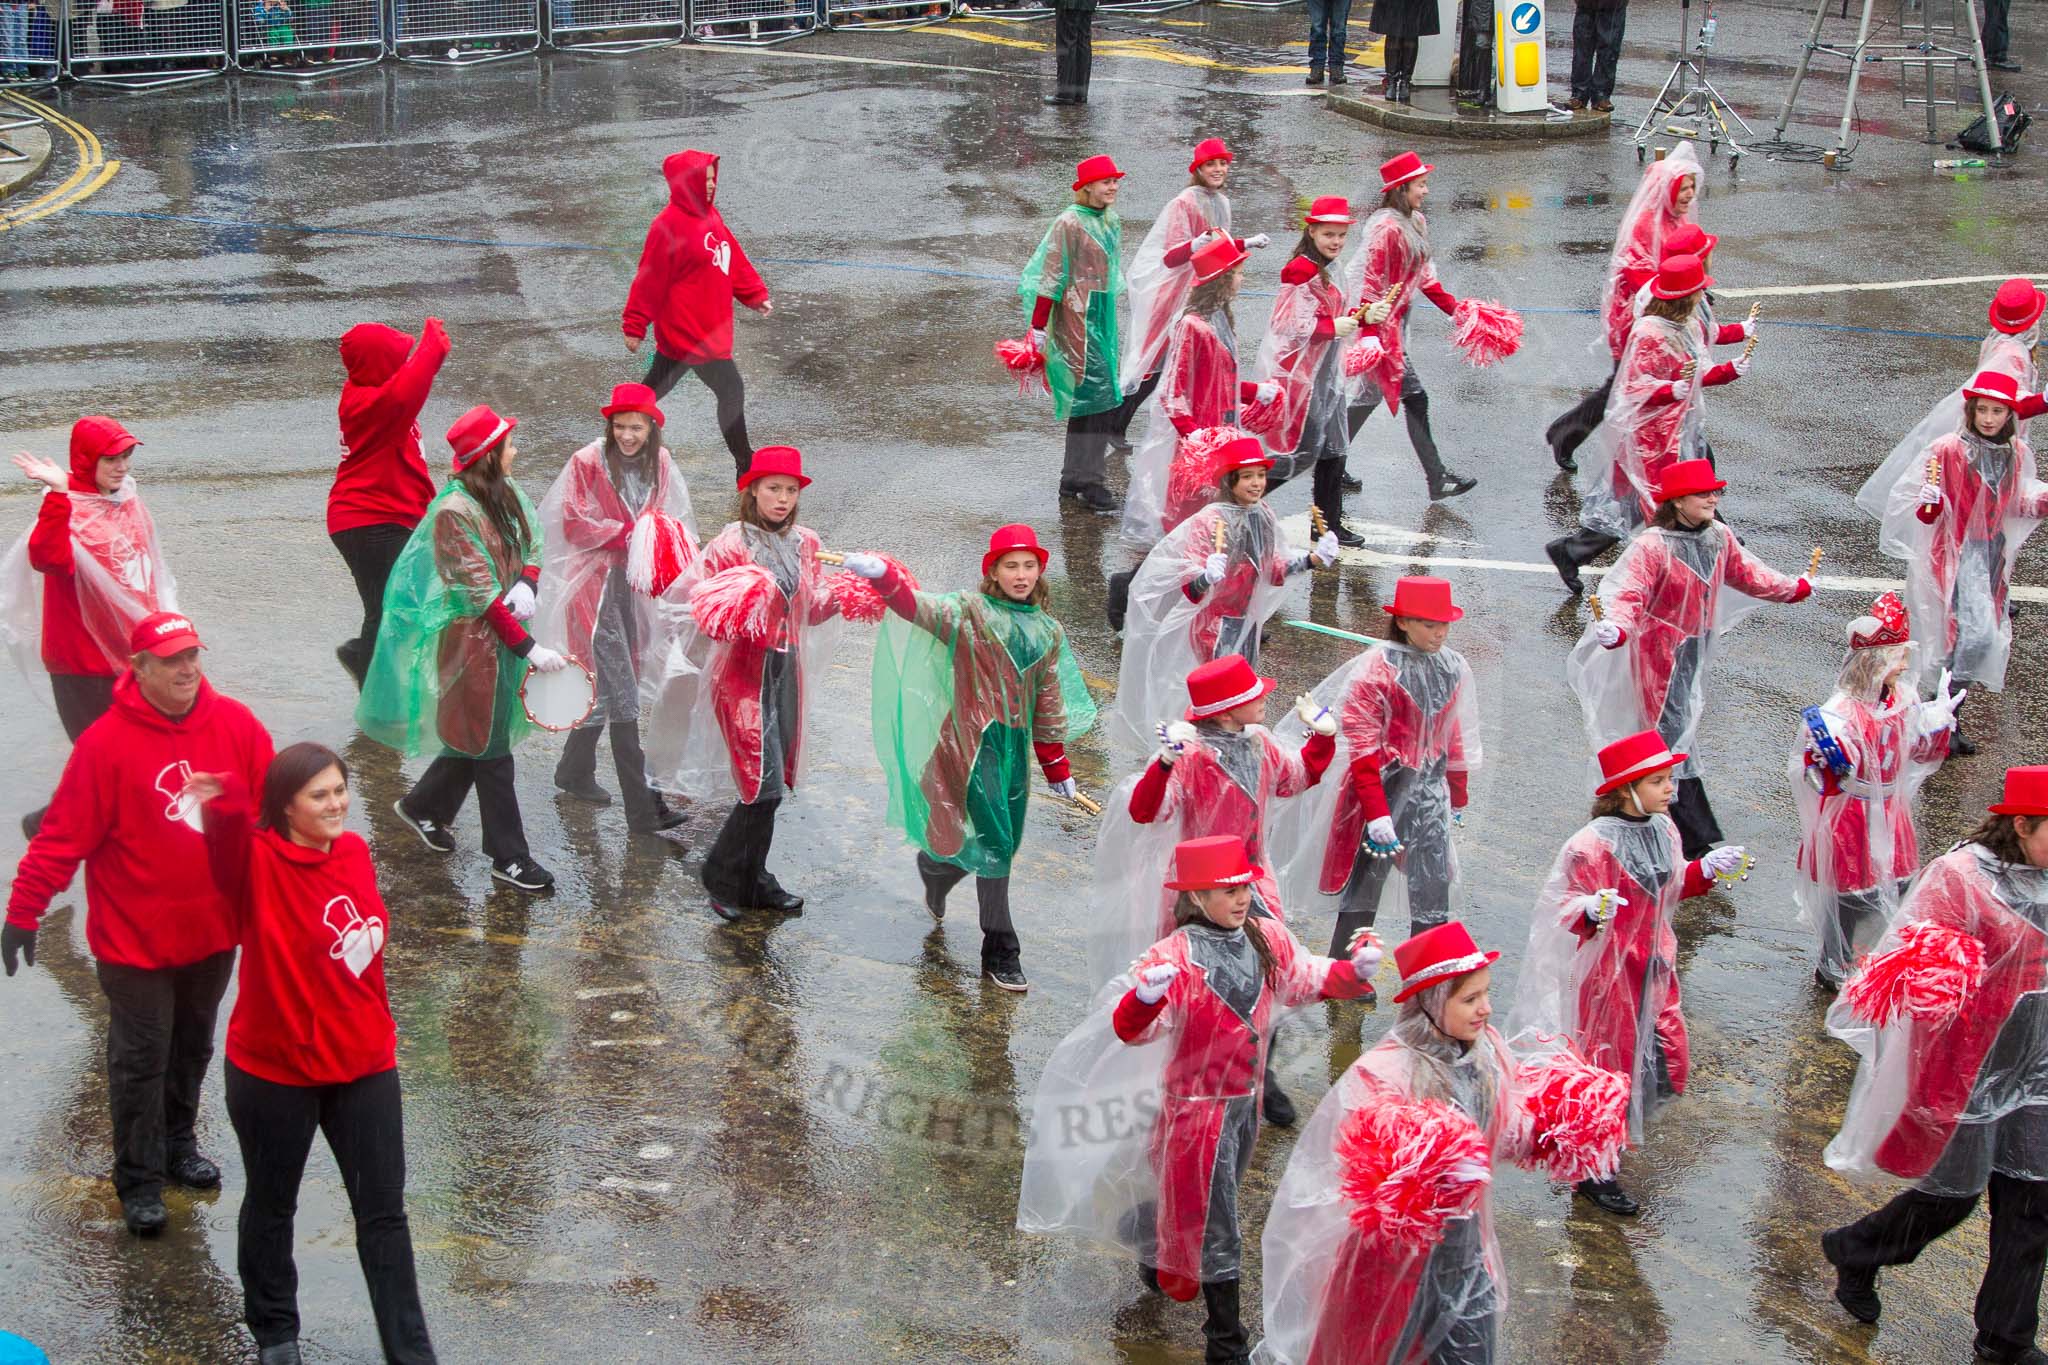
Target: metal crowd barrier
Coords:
[[751, 23], [31, 43], [462, 32], [877, 14], [303, 39], [144, 44], [614, 28]]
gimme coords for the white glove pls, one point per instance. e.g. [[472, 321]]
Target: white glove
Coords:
[[545, 660], [1946, 701], [1174, 740], [519, 601], [1930, 494], [1258, 241], [1316, 718], [1326, 548], [1266, 392], [1607, 634], [1037, 338], [1380, 829], [1345, 326], [1371, 351], [1748, 329], [1365, 953], [1598, 907], [1680, 388], [1377, 313], [1719, 862], [1153, 981], [1214, 567], [1740, 365], [1065, 789], [865, 565]]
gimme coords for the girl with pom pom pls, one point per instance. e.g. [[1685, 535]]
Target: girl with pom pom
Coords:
[[1144, 1121], [1602, 969], [619, 531], [1952, 1093], [969, 687], [1380, 1249]]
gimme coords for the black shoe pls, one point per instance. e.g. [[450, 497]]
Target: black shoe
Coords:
[[524, 873], [145, 1214], [284, 1353], [194, 1172], [32, 822], [1608, 1195], [1337, 76], [1120, 444], [2001, 63], [1099, 500], [1452, 486], [1278, 1108], [1351, 484], [357, 666], [726, 908], [1008, 976], [1061, 100], [1148, 1276], [1315, 77], [1563, 458], [583, 789], [1855, 1290], [1960, 745], [781, 901], [935, 899], [1346, 537], [663, 821], [431, 834], [1566, 569], [2032, 1355]]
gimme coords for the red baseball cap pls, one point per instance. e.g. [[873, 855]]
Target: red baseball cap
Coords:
[[163, 633]]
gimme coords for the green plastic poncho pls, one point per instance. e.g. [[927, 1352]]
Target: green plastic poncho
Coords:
[[441, 681], [1079, 266], [960, 696]]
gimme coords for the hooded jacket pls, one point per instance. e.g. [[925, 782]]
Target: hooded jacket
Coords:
[[67, 646], [691, 270], [118, 811], [382, 478]]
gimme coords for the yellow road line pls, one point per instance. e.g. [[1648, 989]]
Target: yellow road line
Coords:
[[92, 172], [1144, 49]]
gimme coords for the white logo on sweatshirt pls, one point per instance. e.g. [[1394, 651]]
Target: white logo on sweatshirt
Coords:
[[721, 252], [357, 941], [178, 805]]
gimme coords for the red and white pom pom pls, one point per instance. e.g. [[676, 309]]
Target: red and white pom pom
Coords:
[[1487, 332], [737, 604], [1408, 1166], [1260, 417], [658, 550], [1027, 362], [856, 598], [1577, 1116], [1931, 975], [1364, 354]]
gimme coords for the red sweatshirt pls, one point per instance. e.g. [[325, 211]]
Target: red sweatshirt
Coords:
[[691, 270], [67, 646], [310, 1008], [117, 811], [382, 478]]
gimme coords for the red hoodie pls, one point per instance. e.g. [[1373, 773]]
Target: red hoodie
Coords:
[[117, 810], [382, 480], [310, 1007], [68, 647], [690, 271]]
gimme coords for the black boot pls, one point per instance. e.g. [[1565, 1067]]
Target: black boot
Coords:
[[1855, 1289], [1118, 602], [730, 868], [1277, 1107], [1960, 744], [1609, 1195], [646, 812], [1326, 490], [939, 878], [1223, 1329], [1559, 551], [1350, 483], [576, 770], [282, 1353], [1315, 75]]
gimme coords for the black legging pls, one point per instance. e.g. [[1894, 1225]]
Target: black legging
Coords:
[[369, 552], [722, 377]]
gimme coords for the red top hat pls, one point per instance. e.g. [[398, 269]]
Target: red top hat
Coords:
[[1689, 239], [1425, 599], [1016, 536], [1223, 685], [1402, 169], [1689, 476], [1242, 453], [1204, 864], [1995, 385], [2016, 306], [162, 633], [634, 398], [475, 432], [1209, 149], [1217, 256], [1678, 276], [1331, 208], [777, 460], [2026, 792], [1096, 168], [1625, 760], [1885, 625], [1438, 955]]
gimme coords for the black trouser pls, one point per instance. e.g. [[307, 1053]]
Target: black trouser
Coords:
[[1075, 37], [1596, 47], [1000, 946], [1996, 33], [81, 698], [2009, 1299], [1698, 831], [1475, 51], [1415, 408], [736, 867], [578, 768], [1326, 490], [722, 377], [369, 552], [1568, 432], [1223, 1329], [1583, 545], [364, 1127], [159, 1041], [1087, 455], [1400, 57], [445, 785], [1134, 400]]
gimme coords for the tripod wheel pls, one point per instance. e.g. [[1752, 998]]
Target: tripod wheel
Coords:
[[1639, 152]]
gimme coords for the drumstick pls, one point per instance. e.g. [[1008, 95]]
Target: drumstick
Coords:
[[1934, 470], [1222, 532], [1749, 347], [832, 557], [1316, 525], [1813, 567], [1082, 800], [1593, 601]]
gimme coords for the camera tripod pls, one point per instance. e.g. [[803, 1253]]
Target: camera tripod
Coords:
[[1689, 95]]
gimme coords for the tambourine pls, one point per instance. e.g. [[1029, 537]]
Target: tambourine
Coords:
[[561, 700], [1824, 742]]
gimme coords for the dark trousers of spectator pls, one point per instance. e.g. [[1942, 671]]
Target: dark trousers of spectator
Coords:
[[1596, 47], [999, 943], [1997, 32], [365, 1130], [722, 377], [1327, 38], [1087, 456], [81, 698], [445, 785], [1134, 400], [2009, 1299], [369, 552], [1075, 61], [159, 1042]]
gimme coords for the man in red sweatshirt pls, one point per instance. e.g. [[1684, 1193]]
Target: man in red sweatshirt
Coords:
[[381, 487], [162, 937], [691, 270]]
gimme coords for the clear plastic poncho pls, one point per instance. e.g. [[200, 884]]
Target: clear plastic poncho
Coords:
[[1639, 245], [1167, 633], [2013, 355], [1392, 251], [1159, 291], [959, 697], [1198, 383], [1944, 1102], [118, 575], [1640, 436], [1079, 266], [1309, 371]]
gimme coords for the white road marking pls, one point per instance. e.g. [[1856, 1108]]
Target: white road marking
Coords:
[[1785, 291], [603, 992], [652, 1040], [657, 1151], [622, 1016], [619, 1182]]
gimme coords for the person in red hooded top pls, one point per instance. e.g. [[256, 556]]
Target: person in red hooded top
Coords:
[[311, 1042], [381, 487], [162, 940], [691, 270]]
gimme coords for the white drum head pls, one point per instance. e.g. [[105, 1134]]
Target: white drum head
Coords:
[[561, 700]]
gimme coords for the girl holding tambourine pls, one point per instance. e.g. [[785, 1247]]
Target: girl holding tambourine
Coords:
[[453, 650]]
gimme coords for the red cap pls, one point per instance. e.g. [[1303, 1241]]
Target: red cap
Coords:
[[1689, 476], [2016, 306], [1401, 169], [634, 398], [1204, 864], [1678, 276], [2026, 792], [1218, 256], [475, 432], [1688, 239], [1016, 536], [1241, 452], [776, 460], [1885, 625], [1096, 168], [1223, 685], [1625, 760], [1438, 955], [162, 633], [1425, 599], [1209, 149], [1995, 385], [1331, 208]]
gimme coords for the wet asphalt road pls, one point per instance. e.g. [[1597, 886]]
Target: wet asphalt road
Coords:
[[635, 1135]]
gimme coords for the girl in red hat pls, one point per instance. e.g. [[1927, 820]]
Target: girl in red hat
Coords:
[[1380, 1246], [453, 649], [1856, 770], [969, 688], [619, 531], [1145, 1117], [75, 583], [1602, 967], [1952, 1091], [1682, 583]]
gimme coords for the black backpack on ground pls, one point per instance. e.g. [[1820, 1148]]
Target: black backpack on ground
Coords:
[[2012, 126]]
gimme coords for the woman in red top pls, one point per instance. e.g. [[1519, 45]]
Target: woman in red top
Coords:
[[311, 1041]]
